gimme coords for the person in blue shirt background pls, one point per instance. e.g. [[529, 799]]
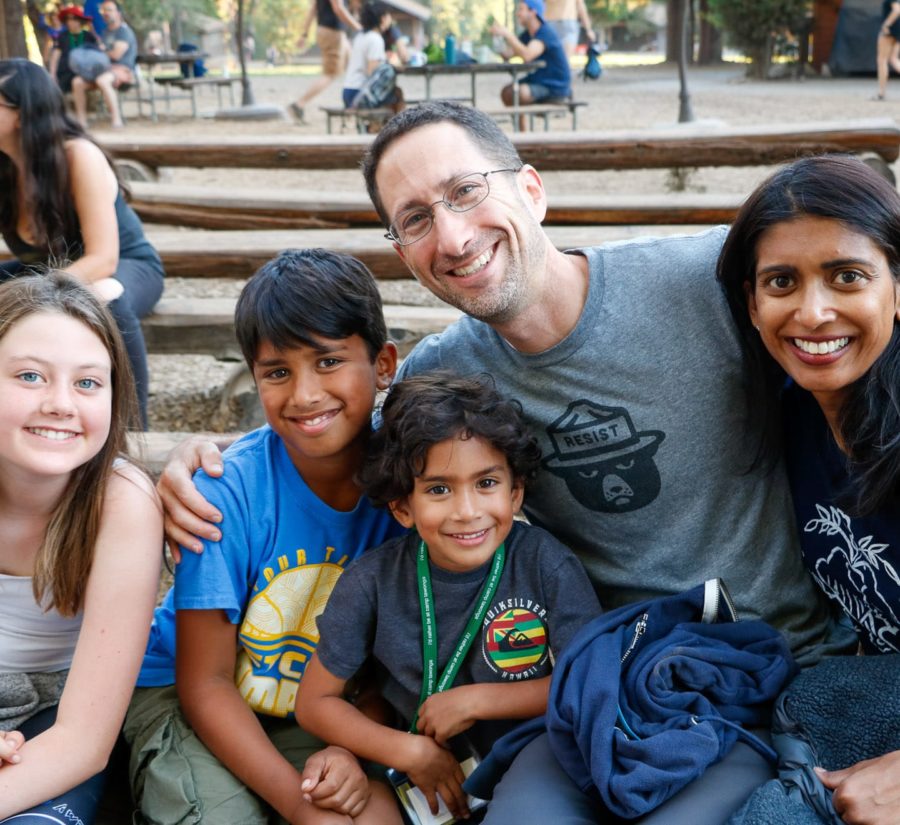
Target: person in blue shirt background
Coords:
[[538, 41]]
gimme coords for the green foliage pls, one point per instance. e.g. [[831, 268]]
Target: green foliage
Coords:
[[628, 13], [279, 23], [752, 26], [467, 19], [144, 15]]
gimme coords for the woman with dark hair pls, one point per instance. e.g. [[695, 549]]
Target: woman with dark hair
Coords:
[[811, 270], [61, 205]]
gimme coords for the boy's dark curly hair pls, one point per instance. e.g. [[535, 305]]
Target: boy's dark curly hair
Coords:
[[433, 407]]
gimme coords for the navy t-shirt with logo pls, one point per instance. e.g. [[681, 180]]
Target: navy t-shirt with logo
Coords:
[[542, 599], [856, 561]]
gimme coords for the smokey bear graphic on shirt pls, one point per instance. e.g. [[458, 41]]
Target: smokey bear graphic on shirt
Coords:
[[607, 464]]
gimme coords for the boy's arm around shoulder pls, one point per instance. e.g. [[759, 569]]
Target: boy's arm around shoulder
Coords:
[[118, 607]]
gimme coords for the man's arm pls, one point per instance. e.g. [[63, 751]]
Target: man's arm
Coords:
[[444, 715], [188, 515], [307, 25], [118, 49], [532, 51], [584, 17]]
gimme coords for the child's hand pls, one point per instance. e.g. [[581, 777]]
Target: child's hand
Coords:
[[438, 772], [444, 715], [9, 747], [333, 779]]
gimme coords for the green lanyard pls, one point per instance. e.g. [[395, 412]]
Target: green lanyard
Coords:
[[430, 682]]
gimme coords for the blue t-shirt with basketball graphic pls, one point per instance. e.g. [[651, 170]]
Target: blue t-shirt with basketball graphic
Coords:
[[541, 601], [282, 550]]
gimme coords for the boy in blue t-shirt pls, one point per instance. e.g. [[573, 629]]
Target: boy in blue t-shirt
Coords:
[[211, 724]]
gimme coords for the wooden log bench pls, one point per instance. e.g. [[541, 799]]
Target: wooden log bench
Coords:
[[682, 147], [232, 254], [241, 208], [205, 326]]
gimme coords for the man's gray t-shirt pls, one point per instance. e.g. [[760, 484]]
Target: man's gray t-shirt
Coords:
[[126, 35], [643, 418], [542, 599]]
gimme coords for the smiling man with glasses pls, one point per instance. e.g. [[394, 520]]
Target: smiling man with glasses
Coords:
[[628, 369], [627, 364]]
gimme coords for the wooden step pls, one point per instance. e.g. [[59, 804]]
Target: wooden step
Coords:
[[237, 208], [671, 147], [182, 326]]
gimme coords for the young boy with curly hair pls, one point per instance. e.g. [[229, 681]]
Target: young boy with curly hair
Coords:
[[465, 615]]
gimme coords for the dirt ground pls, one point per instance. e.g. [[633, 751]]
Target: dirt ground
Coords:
[[624, 98]]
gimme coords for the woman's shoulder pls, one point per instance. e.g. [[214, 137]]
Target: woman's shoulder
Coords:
[[129, 485], [81, 152], [87, 162]]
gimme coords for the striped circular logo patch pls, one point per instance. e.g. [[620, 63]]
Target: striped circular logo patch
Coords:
[[516, 640]]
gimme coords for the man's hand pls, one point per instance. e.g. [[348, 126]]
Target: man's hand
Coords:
[[436, 772], [187, 514], [333, 779], [444, 715], [498, 29], [867, 793], [9, 747]]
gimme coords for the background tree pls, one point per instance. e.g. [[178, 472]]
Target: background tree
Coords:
[[12, 30], [278, 23], [755, 26], [144, 15]]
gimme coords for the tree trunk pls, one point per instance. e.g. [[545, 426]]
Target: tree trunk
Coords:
[[761, 61], [685, 111], [247, 98], [12, 32], [710, 38], [673, 28]]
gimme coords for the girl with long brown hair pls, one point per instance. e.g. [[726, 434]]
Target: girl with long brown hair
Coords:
[[80, 539]]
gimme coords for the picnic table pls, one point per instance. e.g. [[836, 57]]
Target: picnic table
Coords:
[[152, 61], [430, 71]]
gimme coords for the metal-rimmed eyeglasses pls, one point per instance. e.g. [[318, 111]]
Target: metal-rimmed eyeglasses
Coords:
[[465, 193]]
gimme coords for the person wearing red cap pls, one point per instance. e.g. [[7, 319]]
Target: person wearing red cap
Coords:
[[120, 44], [75, 35]]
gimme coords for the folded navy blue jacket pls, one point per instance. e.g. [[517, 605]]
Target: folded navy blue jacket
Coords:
[[646, 697]]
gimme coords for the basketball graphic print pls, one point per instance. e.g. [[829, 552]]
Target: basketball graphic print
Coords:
[[515, 641]]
